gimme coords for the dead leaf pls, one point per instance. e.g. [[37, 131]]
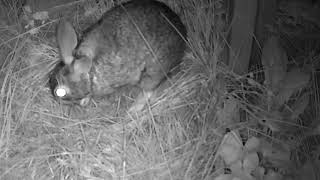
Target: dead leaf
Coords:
[[277, 154], [295, 80], [239, 172], [230, 153], [252, 144], [271, 175], [90, 10], [34, 31], [308, 171], [224, 177], [250, 162], [274, 60], [316, 155], [273, 120], [316, 130], [229, 113], [27, 9], [258, 173], [41, 16], [299, 106], [231, 148]]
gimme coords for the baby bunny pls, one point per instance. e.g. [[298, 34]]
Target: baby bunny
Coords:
[[134, 43]]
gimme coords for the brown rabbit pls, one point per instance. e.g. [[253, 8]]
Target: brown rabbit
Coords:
[[134, 43]]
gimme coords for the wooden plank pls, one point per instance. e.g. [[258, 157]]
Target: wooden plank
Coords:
[[41, 5], [266, 16], [243, 26]]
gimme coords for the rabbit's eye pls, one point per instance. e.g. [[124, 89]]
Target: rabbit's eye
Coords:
[[61, 91]]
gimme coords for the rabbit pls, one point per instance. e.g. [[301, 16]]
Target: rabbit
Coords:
[[134, 43]]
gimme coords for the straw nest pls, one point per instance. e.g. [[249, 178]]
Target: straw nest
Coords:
[[178, 134]]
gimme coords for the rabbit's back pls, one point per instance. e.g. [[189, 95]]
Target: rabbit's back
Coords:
[[134, 38]]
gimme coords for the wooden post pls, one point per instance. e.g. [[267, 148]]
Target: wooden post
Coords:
[[266, 16], [243, 26]]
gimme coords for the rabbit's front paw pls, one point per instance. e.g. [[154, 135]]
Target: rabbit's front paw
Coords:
[[140, 101]]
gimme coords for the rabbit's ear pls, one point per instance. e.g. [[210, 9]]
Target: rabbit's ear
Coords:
[[67, 41]]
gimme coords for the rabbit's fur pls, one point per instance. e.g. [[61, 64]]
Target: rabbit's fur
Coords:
[[134, 43]]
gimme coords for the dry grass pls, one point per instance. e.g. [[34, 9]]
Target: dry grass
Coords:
[[175, 137], [42, 140]]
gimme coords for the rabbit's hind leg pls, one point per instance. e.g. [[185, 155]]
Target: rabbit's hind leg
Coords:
[[141, 101], [148, 84]]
